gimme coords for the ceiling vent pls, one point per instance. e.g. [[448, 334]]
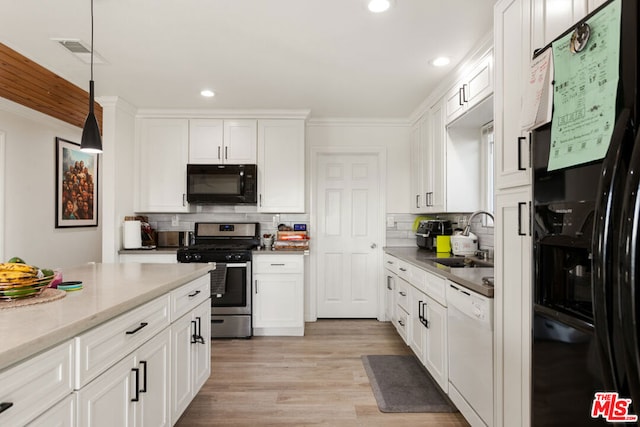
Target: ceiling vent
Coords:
[[80, 50]]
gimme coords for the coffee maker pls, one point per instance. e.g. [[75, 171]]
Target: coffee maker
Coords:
[[429, 230]]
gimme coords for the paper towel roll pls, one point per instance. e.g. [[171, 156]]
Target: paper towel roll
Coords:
[[132, 235]]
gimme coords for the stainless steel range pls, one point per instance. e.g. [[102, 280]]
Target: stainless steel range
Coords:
[[229, 245]]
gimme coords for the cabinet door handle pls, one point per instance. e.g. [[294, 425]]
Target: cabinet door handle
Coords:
[[226, 153], [389, 278], [5, 405], [520, 204], [184, 199], [142, 325], [218, 152], [464, 93], [260, 197], [256, 282], [144, 376], [193, 294], [401, 322], [137, 387], [200, 338], [194, 329], [417, 201], [460, 97], [278, 265], [520, 139]]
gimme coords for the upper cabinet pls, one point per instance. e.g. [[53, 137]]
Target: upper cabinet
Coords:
[[215, 141], [552, 17], [281, 173], [161, 154], [475, 85]]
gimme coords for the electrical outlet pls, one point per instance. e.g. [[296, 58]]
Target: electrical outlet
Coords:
[[391, 221], [175, 221]]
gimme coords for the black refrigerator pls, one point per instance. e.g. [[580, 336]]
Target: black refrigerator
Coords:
[[586, 225]]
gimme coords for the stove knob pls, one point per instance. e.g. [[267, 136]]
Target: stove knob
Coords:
[[187, 257], [228, 257], [237, 257], [197, 257]]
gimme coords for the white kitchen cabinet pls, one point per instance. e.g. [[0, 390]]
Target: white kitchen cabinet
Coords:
[[154, 387], [107, 401], [594, 4], [133, 392], [278, 295], [552, 17], [473, 87], [436, 355], [281, 172], [106, 344], [416, 180], [402, 318], [63, 414], [435, 171], [32, 387], [391, 268], [428, 167], [513, 294], [216, 141], [190, 357], [161, 155], [428, 330], [512, 20]]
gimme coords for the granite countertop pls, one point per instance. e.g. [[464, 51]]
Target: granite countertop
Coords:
[[108, 291], [470, 278]]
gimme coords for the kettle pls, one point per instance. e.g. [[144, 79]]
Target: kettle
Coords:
[[464, 245]]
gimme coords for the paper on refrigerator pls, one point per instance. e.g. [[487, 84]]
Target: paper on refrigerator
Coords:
[[538, 96]]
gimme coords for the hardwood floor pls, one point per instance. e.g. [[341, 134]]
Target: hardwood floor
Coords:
[[315, 380]]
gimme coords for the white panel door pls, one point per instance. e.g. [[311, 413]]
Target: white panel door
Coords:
[[240, 141], [348, 240]]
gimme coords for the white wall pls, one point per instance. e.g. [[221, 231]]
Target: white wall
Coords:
[[117, 164], [29, 171], [390, 134]]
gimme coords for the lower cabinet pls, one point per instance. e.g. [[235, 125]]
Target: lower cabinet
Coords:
[[190, 357], [278, 295], [420, 315], [61, 415]]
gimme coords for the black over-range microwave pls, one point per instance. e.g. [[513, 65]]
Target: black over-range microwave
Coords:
[[222, 184]]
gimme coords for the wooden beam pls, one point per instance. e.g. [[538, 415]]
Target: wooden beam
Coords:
[[27, 83]]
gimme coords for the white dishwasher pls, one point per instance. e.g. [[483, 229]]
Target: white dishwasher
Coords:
[[470, 333]]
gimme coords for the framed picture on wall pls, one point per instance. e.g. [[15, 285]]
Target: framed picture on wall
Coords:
[[76, 186]]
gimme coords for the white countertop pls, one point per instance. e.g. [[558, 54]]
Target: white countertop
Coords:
[[108, 291]]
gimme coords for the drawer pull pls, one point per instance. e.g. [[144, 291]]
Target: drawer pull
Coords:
[[193, 294], [277, 265], [401, 322], [137, 387], [142, 325], [5, 405], [404, 294], [403, 269], [144, 377]]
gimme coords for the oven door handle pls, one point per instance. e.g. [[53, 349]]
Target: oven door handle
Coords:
[[236, 265]]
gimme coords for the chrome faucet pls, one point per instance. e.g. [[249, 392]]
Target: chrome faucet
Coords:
[[473, 215]]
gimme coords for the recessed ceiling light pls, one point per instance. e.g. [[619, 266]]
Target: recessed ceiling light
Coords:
[[207, 93], [440, 61], [377, 6]]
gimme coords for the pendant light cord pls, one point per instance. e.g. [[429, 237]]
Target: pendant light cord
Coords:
[[91, 39]]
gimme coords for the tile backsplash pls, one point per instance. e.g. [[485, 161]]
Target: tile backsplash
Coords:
[[402, 233]]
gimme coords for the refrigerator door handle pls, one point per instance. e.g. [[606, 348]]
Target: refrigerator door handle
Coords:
[[628, 272], [604, 253]]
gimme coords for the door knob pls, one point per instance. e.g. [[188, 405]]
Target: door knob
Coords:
[[373, 246]]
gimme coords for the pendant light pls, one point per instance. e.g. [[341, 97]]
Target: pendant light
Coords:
[[91, 141]]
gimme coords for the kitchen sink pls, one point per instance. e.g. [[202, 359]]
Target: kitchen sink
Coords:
[[463, 263]]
